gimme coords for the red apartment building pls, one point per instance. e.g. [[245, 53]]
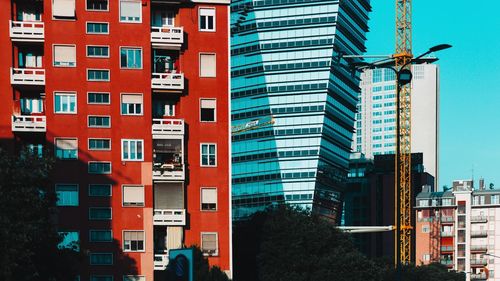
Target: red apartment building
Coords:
[[132, 97]]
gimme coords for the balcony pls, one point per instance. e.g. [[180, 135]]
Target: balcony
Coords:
[[167, 82], [447, 220], [448, 263], [478, 248], [27, 31], [478, 262], [27, 76], [446, 248], [478, 219], [478, 276], [168, 127], [478, 233], [161, 261], [29, 124], [446, 234], [169, 217], [167, 37]]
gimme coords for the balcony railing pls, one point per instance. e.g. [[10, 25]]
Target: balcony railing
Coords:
[[446, 248], [479, 233], [447, 262], [29, 124], [27, 76], [168, 172], [30, 31], [479, 219], [478, 276], [168, 127], [446, 234], [167, 37], [173, 82], [479, 248], [169, 217], [161, 261], [478, 262], [447, 219]]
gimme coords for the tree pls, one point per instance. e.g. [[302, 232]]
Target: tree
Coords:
[[430, 272], [203, 271], [28, 237]]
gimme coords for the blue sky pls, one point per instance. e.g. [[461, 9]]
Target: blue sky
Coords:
[[470, 78]]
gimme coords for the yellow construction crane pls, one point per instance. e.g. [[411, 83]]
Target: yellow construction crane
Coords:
[[403, 55]]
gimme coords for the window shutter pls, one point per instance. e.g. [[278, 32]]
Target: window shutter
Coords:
[[67, 144], [132, 99], [207, 65], [207, 12], [133, 195], [130, 9], [65, 55], [209, 241], [174, 237], [63, 8], [208, 103], [209, 195], [169, 196]]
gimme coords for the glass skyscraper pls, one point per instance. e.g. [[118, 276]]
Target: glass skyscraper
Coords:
[[293, 104]]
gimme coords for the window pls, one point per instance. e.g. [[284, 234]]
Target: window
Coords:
[[132, 150], [99, 121], [130, 11], [133, 241], [207, 65], [207, 110], [97, 28], [64, 103], [70, 240], [389, 75], [133, 195], [66, 148], [131, 104], [134, 278], [426, 257], [424, 203], [495, 199], [377, 75], [98, 51], [163, 108], [97, 75], [31, 105], [101, 278], [63, 9], [207, 19], [101, 259], [98, 98], [97, 5], [100, 235], [64, 55], [99, 190], [209, 244], [425, 229], [100, 213], [208, 199], [131, 58], [99, 168], [67, 194], [208, 154], [99, 144]]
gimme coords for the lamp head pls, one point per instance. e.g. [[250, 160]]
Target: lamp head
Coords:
[[439, 47]]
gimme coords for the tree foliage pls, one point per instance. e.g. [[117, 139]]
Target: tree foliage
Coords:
[[28, 237], [203, 271]]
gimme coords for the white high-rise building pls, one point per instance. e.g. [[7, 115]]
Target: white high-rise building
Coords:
[[376, 114]]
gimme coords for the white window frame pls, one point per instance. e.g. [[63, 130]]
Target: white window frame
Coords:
[[107, 184], [56, 93], [105, 69], [199, 19], [201, 155], [131, 47], [217, 199], [143, 242], [131, 114], [129, 140], [88, 121], [92, 241], [133, 206], [216, 243], [110, 167], [59, 17], [120, 12], [56, 148], [112, 259], [96, 33], [92, 10], [97, 57], [54, 55], [77, 193], [97, 103], [215, 110], [96, 149], [199, 66]]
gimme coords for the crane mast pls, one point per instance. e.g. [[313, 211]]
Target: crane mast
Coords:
[[403, 55]]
